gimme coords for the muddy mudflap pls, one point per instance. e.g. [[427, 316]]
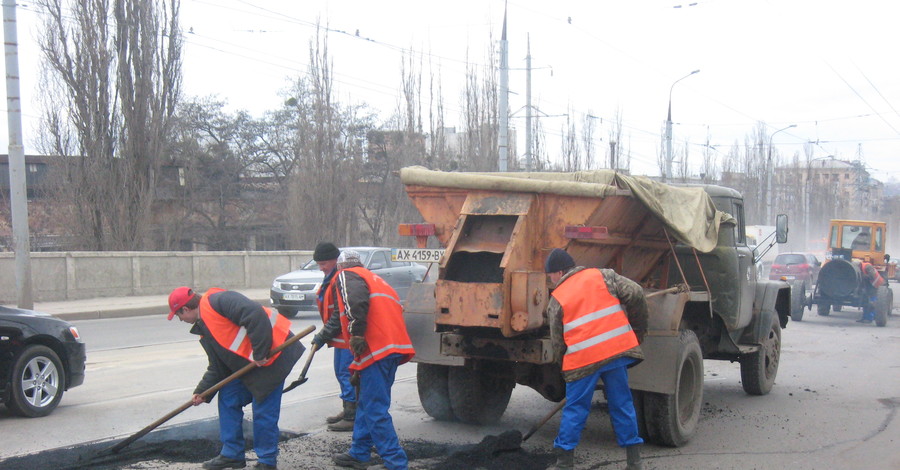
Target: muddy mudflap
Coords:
[[668, 388]]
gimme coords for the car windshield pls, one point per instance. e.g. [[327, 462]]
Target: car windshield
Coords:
[[363, 258], [790, 259]]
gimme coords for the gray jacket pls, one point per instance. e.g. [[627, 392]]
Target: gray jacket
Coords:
[[244, 312], [630, 295]]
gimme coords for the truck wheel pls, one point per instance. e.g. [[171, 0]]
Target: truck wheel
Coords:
[[671, 419], [38, 382], [883, 305], [758, 369], [798, 299], [837, 308], [434, 392], [824, 310], [478, 398]]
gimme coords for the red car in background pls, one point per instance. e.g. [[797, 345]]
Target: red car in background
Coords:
[[796, 267]]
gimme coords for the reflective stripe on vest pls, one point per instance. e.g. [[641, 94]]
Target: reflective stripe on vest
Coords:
[[595, 327], [878, 281], [233, 337], [385, 329], [340, 340]]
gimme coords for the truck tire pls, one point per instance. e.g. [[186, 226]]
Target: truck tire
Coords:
[[837, 308], [671, 419], [798, 301], [434, 392], [823, 309], [883, 305], [758, 369], [477, 398]]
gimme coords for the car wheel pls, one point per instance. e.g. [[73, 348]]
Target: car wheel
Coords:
[[288, 312], [824, 310], [38, 382]]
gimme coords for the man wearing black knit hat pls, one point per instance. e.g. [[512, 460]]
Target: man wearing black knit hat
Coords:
[[597, 322], [326, 255]]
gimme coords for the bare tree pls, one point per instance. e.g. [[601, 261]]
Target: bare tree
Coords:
[[114, 72], [479, 101], [587, 139], [569, 151]]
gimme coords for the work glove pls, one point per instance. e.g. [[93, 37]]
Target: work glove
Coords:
[[354, 379], [318, 341], [358, 345]]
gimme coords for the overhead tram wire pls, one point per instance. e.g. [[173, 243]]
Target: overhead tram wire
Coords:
[[863, 99], [877, 90]]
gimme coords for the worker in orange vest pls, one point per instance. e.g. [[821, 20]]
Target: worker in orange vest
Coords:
[[597, 321], [870, 291], [236, 331], [372, 318]]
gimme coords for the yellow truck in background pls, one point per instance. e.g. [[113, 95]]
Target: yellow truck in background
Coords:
[[841, 281], [480, 329]]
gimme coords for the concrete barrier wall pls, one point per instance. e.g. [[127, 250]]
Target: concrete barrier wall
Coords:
[[91, 274]]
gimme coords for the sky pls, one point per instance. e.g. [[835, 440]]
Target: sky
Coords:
[[827, 67]]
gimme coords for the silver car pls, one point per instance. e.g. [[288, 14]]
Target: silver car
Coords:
[[297, 290]]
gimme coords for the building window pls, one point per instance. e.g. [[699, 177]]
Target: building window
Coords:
[[32, 167], [180, 176]]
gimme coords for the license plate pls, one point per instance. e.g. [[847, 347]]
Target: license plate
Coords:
[[416, 255], [290, 296]]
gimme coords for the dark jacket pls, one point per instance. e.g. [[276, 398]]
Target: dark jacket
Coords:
[[630, 295], [242, 311], [356, 293]]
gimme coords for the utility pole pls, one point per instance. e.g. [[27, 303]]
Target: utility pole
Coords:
[[503, 112], [668, 174], [769, 170], [528, 136], [18, 190]]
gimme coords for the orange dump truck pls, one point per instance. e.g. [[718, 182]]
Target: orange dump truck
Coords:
[[480, 328]]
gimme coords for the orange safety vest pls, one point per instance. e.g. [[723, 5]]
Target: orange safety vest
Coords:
[[234, 337], [326, 307], [594, 325], [385, 330], [878, 281]]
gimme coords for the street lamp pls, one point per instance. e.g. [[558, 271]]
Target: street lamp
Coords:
[[668, 173], [769, 177], [809, 192]]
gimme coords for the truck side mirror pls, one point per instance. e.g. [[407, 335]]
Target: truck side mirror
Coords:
[[781, 228]]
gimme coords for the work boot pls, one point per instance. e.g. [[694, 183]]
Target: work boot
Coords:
[[348, 461], [346, 423], [264, 466], [337, 417], [633, 458], [565, 459], [220, 461]]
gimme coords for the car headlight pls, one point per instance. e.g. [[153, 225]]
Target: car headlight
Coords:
[[317, 287], [276, 284]]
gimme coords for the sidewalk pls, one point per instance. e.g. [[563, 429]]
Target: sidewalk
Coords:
[[117, 307]]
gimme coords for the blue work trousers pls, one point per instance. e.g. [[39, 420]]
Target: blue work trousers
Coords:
[[374, 425], [342, 360], [578, 405], [869, 308], [232, 399]]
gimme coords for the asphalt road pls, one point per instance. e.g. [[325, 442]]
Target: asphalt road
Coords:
[[834, 405]]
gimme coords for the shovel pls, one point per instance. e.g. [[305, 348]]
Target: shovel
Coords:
[[206, 393], [302, 379]]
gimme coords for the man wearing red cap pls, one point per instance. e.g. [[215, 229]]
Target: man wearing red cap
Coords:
[[235, 331]]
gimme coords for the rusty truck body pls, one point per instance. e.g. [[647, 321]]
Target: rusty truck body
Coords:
[[480, 328]]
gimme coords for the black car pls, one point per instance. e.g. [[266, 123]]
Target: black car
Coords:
[[40, 358]]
